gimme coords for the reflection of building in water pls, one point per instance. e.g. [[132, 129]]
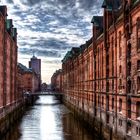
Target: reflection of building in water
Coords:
[[102, 77], [73, 129]]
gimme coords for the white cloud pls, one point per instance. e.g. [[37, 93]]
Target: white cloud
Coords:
[[52, 25]]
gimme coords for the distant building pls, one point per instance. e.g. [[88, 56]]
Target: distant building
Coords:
[[35, 64], [30, 78], [56, 81], [44, 87]]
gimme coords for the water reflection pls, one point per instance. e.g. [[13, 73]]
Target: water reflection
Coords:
[[48, 120]]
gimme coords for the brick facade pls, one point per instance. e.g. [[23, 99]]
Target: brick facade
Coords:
[[8, 60], [102, 77], [56, 81], [30, 78]]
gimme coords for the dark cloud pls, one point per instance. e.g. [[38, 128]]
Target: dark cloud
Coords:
[[49, 28], [44, 53]]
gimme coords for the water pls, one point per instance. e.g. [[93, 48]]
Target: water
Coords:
[[48, 120]]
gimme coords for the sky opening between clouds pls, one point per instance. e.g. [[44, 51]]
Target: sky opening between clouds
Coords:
[[49, 28]]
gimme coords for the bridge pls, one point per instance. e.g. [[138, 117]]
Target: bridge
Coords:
[[46, 94], [31, 97]]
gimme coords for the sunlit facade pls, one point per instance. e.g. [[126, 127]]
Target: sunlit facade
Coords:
[[8, 60], [101, 78]]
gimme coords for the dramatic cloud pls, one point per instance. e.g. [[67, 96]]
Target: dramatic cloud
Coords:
[[49, 28]]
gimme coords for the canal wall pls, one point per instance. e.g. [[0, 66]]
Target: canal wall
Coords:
[[11, 114], [101, 130]]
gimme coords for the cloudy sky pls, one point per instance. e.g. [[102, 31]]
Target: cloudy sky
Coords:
[[49, 28]]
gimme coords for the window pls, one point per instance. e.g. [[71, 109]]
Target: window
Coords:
[[127, 29], [138, 46], [129, 50], [138, 36], [113, 120], [138, 84], [98, 101], [138, 23], [120, 105], [102, 101], [138, 131], [129, 68], [112, 103], [138, 109], [107, 118], [120, 69], [120, 51], [112, 85], [129, 86], [120, 38], [107, 86], [120, 83], [138, 65], [129, 108], [120, 122], [128, 127], [107, 102]]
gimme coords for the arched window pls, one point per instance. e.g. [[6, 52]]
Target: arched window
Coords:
[[120, 105]]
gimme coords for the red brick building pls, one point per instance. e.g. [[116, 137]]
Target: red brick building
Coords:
[[8, 60], [56, 81], [28, 80], [102, 77]]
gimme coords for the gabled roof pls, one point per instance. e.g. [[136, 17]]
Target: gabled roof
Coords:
[[111, 4], [9, 24], [75, 50], [97, 21], [24, 68]]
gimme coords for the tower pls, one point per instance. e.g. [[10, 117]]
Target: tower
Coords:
[[35, 64]]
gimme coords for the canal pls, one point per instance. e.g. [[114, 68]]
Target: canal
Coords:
[[48, 120]]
